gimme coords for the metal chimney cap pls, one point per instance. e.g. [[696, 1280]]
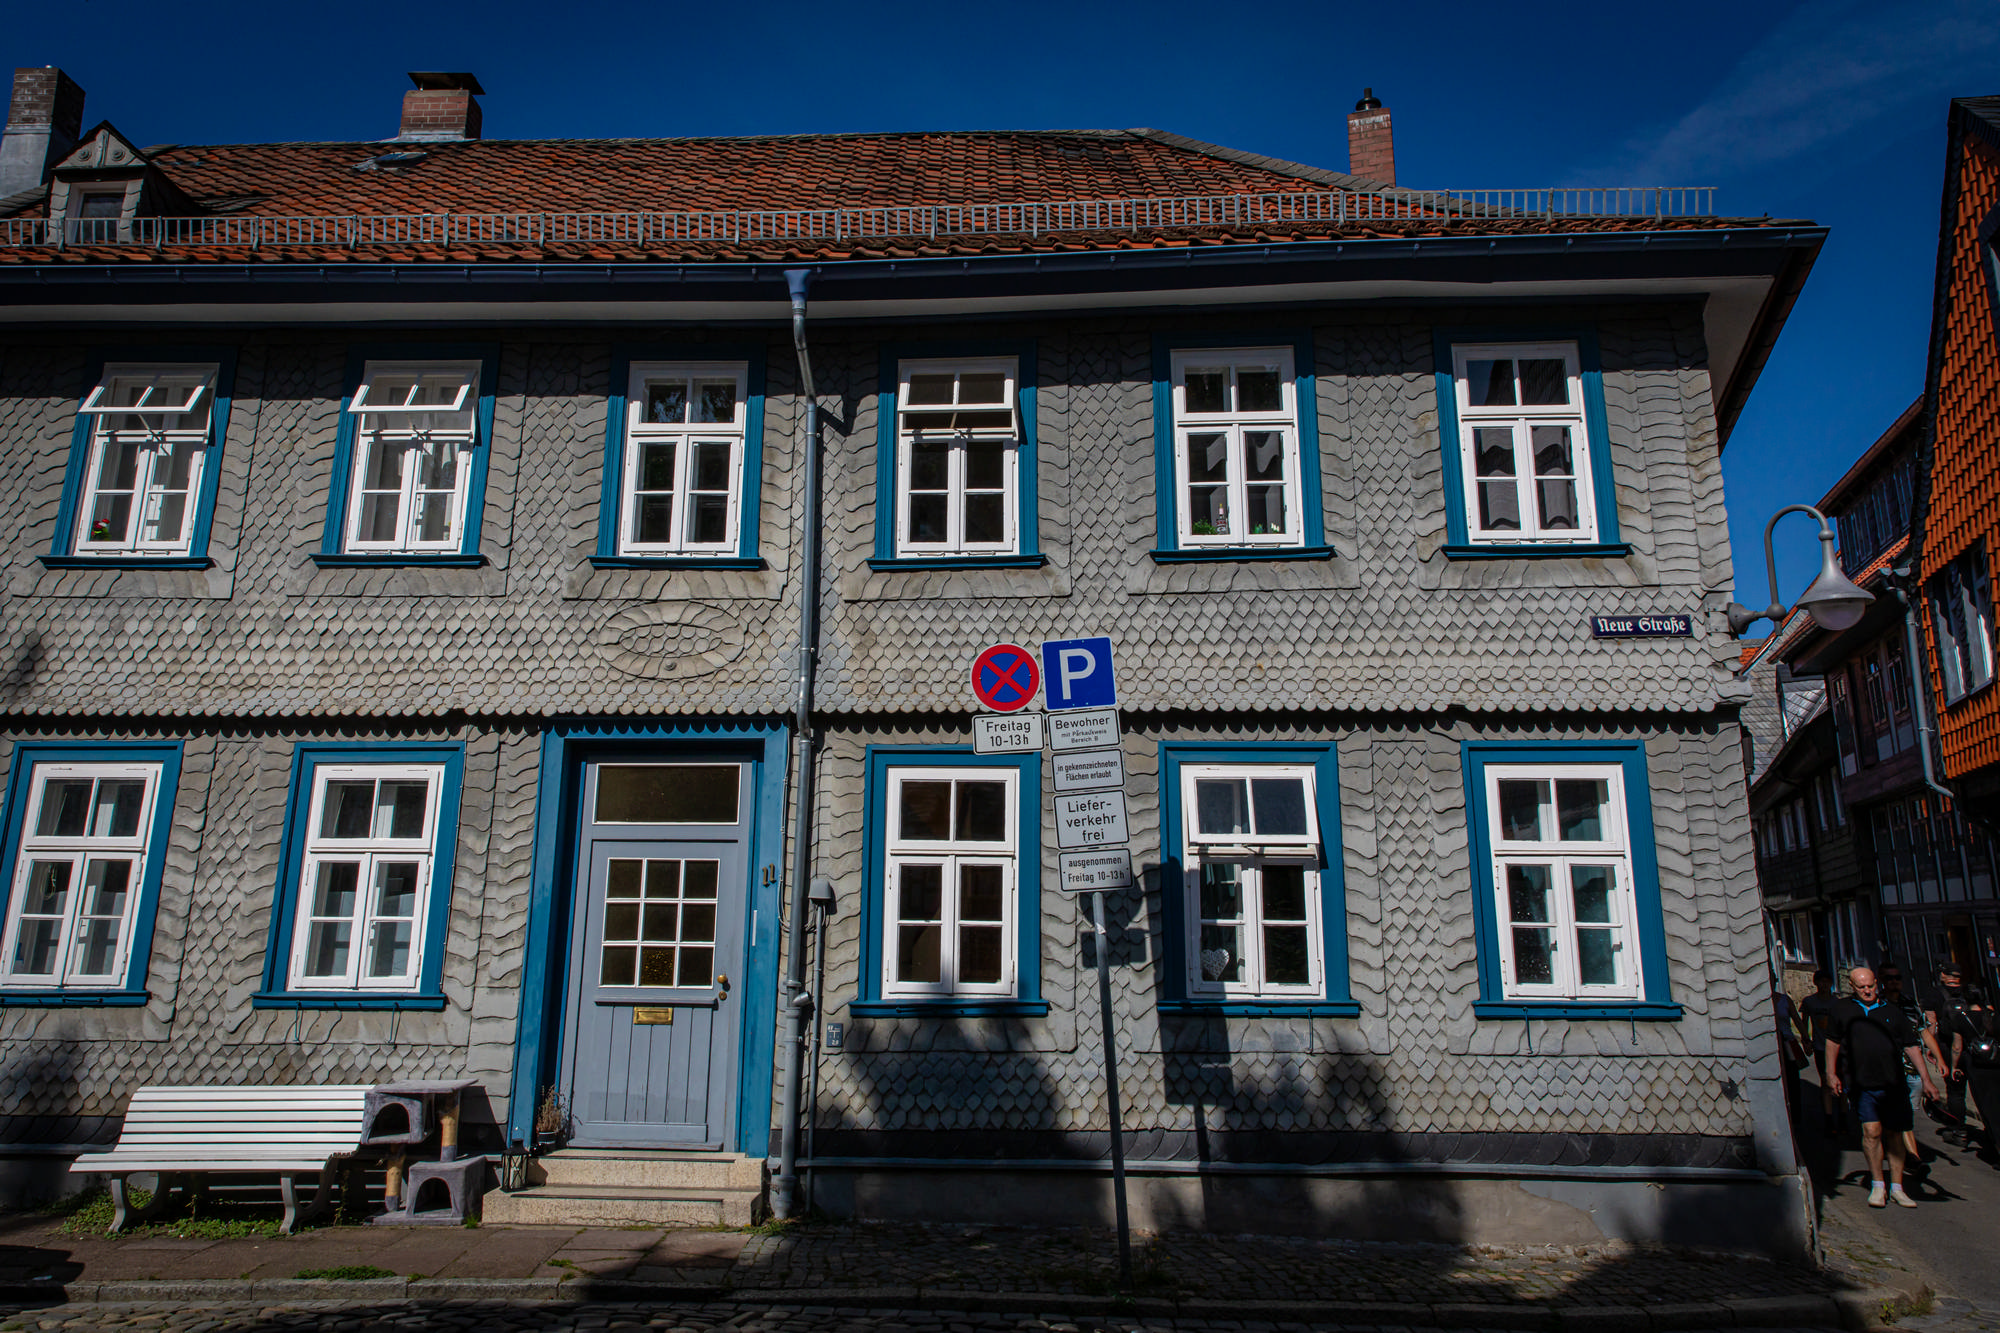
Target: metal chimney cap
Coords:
[[1368, 101]]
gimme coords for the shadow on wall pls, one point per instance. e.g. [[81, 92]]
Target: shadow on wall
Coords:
[[31, 1178]]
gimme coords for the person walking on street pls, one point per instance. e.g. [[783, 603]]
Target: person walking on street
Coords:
[[1946, 1006], [1816, 1012], [1982, 1064], [1876, 1039], [1791, 1055], [1893, 993]]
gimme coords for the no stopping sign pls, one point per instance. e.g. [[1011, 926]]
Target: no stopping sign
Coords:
[[1005, 678]]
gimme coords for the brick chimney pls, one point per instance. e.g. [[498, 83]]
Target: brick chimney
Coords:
[[441, 107], [1371, 148], [43, 122]]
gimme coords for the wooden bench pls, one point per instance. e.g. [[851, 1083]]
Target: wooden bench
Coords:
[[181, 1133]]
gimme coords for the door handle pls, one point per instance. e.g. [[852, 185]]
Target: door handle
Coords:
[[722, 984]]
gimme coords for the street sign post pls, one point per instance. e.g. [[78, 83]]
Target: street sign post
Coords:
[[1004, 678], [1111, 1088], [1085, 729], [1079, 674], [1006, 733]]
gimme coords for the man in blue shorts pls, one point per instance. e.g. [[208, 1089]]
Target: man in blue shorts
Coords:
[[1876, 1038]]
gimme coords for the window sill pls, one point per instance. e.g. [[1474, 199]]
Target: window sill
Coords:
[[343, 1000], [394, 559], [125, 561], [1261, 1008], [948, 1008], [1195, 554], [921, 562], [1530, 551], [1955, 700], [47, 999], [676, 562], [1629, 1009]]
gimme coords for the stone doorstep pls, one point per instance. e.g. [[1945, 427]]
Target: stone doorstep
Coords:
[[1857, 1311]]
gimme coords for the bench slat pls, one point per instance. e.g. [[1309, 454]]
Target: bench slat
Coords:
[[183, 1163]]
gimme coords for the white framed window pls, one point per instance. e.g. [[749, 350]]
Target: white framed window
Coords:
[[1562, 872], [413, 429], [958, 457], [1253, 881], [1236, 448], [79, 874], [952, 869], [364, 886], [684, 449], [149, 436], [1524, 449], [1962, 615]]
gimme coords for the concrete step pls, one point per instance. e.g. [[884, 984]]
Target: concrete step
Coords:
[[667, 1171], [608, 1205], [626, 1187]]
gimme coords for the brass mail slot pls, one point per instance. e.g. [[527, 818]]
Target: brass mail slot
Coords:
[[653, 1013]]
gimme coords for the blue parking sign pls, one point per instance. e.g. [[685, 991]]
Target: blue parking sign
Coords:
[[1076, 673]]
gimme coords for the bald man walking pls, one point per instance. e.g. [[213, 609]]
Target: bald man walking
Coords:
[[1875, 1036]]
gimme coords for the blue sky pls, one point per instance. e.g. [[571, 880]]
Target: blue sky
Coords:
[[1833, 112]]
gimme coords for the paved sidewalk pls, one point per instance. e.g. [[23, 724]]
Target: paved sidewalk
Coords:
[[882, 1266]]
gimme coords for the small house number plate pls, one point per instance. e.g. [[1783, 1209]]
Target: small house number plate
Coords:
[[652, 1014]]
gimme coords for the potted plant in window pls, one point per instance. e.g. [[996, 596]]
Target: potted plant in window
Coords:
[[551, 1121]]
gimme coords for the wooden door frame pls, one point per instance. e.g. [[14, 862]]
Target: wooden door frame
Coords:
[[565, 748]]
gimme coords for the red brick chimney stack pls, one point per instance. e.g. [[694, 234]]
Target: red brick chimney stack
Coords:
[[1371, 147], [441, 107]]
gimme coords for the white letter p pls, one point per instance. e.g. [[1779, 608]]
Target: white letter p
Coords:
[[1069, 673]]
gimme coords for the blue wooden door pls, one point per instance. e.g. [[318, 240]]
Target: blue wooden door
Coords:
[[650, 1049]]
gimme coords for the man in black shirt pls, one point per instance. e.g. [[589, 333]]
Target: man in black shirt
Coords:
[[1876, 1038]]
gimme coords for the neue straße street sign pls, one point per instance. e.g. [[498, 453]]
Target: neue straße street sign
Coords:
[[1006, 733]]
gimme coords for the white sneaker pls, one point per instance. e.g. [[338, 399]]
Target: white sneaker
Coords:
[[1902, 1199], [1877, 1196]]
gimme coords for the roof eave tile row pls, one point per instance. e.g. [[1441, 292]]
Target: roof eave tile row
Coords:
[[834, 249]]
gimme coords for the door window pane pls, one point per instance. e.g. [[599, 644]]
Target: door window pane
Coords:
[[667, 793]]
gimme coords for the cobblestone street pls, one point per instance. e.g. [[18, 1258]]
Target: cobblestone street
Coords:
[[345, 1317]]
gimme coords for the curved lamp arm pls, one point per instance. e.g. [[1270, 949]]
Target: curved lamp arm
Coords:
[[1829, 593]]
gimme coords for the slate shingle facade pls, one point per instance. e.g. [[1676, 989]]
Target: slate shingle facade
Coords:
[[1390, 649]]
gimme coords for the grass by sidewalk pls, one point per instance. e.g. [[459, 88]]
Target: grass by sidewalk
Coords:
[[90, 1214]]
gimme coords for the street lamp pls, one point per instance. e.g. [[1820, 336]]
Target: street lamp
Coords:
[[1832, 601]]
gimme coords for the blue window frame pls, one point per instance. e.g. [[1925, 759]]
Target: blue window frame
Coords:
[[1022, 548], [364, 847], [464, 493], [907, 963], [72, 548], [1255, 932], [83, 818], [619, 486], [1593, 499], [1566, 829], [1175, 426]]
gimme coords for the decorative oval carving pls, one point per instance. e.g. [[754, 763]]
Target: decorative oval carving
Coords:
[[675, 642]]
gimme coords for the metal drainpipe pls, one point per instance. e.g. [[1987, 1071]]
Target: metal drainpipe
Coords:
[[796, 999], [1920, 679]]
